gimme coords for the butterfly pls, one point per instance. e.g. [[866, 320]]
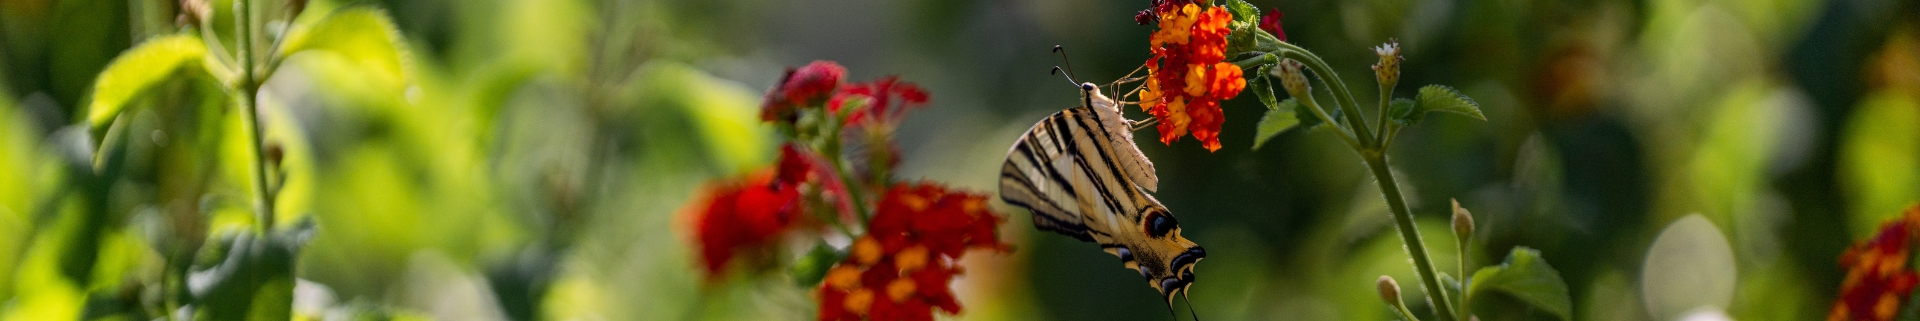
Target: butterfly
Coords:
[[1081, 175]]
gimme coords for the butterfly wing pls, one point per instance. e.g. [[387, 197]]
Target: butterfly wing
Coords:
[[1070, 170], [1120, 133], [1047, 171]]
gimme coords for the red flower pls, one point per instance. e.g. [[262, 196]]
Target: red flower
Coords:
[[741, 217], [901, 269], [879, 97], [1878, 279], [802, 167], [1271, 23], [1189, 75], [807, 86]]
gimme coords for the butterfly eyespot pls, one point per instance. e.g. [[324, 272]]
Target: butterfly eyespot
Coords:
[[1158, 224], [1125, 254], [1145, 274]]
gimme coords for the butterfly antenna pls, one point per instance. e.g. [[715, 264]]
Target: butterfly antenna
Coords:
[[1056, 71], [1068, 62], [1189, 299]]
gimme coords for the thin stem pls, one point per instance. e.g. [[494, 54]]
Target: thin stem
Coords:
[[1465, 240], [1341, 95], [249, 91], [1353, 142], [1409, 234], [1270, 58], [1386, 96], [1405, 314]]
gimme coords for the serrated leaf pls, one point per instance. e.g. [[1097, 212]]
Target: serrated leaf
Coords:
[[1446, 99], [1263, 88], [1244, 14], [364, 34], [1527, 277], [152, 62], [1402, 111], [1276, 121], [813, 267]]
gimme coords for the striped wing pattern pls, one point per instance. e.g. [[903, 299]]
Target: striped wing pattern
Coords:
[[1066, 170]]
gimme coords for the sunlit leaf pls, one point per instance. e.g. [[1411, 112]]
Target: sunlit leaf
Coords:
[[363, 34], [1437, 98], [1527, 277], [147, 64]]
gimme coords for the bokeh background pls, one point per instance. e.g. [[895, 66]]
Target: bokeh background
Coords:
[[1671, 158]]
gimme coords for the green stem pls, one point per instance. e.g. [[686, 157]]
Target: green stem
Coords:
[[1405, 314], [1409, 234], [249, 91], [1269, 58], [1341, 95], [1465, 240], [1386, 96]]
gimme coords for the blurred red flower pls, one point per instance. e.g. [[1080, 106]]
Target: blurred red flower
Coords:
[[1271, 23], [1878, 279], [736, 217], [886, 99], [901, 269], [1189, 76], [806, 86]]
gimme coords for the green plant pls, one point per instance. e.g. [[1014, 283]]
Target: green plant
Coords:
[[195, 74], [1259, 49]]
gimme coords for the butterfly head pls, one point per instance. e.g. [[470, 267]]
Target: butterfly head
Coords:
[[1166, 259]]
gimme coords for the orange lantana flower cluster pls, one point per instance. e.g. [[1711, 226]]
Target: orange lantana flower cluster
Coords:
[[1189, 76], [901, 269], [1878, 279]]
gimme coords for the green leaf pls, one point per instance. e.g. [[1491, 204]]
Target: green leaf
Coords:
[[813, 267], [1527, 277], [1444, 99], [1241, 38], [362, 33], [1402, 111], [142, 67], [1244, 14], [1276, 121]]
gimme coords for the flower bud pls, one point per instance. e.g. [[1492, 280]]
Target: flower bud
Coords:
[[1462, 221], [1388, 70], [1390, 291], [1293, 79]]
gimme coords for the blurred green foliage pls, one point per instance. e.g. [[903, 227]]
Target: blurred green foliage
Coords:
[[527, 159]]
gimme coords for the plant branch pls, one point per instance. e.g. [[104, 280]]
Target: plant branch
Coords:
[[1341, 95], [249, 91], [1376, 160]]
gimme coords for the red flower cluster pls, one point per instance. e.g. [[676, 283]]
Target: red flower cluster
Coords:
[[741, 217], [901, 269], [806, 86], [1878, 278], [1189, 74]]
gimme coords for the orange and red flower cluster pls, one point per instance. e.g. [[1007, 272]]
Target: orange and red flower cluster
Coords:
[[901, 269], [1878, 279], [1189, 76]]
